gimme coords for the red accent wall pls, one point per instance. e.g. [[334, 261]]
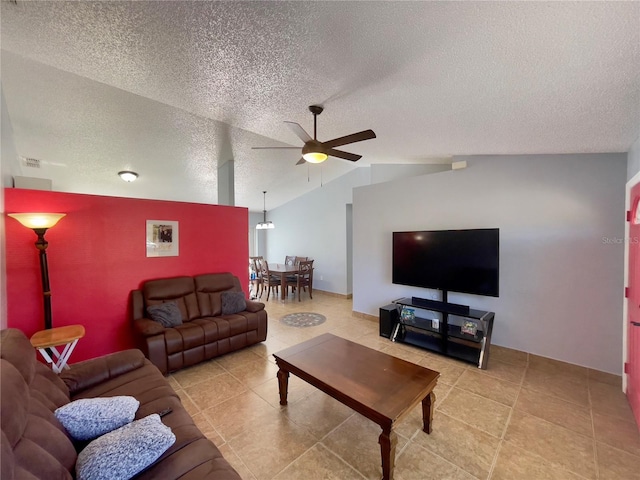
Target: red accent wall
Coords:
[[97, 255]]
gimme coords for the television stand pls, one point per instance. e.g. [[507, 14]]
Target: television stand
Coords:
[[453, 330]]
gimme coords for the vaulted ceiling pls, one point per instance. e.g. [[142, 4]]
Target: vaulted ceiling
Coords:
[[172, 90]]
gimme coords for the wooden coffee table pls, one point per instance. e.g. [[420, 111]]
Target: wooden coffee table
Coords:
[[381, 387]]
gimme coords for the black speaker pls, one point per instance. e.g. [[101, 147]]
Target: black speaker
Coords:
[[388, 319]]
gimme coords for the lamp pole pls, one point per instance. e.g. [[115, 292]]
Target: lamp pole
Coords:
[[40, 223], [41, 244]]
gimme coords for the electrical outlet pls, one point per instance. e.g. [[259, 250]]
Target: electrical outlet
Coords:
[[321, 277]]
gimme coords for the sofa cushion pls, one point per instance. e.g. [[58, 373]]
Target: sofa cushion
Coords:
[[88, 418], [209, 288], [166, 314], [233, 302], [181, 290], [126, 451]]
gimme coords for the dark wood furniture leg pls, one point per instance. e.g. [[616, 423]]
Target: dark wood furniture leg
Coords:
[[388, 441], [283, 286], [428, 405], [283, 384]]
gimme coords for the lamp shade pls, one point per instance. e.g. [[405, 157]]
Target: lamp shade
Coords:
[[37, 220], [315, 157], [128, 176], [313, 152]]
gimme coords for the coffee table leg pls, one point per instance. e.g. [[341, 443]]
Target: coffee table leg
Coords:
[[428, 404], [388, 441], [283, 384]]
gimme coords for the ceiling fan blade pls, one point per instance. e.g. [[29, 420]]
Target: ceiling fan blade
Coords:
[[299, 131], [272, 148], [353, 138], [345, 155], [301, 161]]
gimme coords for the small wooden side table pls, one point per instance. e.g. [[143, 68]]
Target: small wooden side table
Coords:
[[57, 337]]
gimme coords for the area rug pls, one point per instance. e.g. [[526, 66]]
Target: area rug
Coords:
[[303, 319]]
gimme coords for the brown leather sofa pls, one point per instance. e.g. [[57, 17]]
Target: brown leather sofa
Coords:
[[34, 445], [205, 332]]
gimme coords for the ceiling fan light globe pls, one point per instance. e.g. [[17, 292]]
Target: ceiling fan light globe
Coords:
[[315, 157]]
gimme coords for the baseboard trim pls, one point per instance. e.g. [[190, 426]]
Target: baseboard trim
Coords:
[[366, 316], [347, 296]]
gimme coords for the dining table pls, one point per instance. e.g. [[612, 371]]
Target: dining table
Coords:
[[283, 270]]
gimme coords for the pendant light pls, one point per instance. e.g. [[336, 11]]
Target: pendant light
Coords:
[[264, 224]]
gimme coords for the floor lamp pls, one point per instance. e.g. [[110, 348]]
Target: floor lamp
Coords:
[[39, 223]]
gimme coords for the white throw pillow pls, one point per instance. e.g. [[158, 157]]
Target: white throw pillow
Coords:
[[125, 452], [88, 418]]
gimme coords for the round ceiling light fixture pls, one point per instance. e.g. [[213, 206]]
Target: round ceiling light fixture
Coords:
[[128, 176]]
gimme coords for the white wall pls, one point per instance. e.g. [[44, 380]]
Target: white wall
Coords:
[[561, 220], [633, 159], [8, 168], [314, 226], [385, 172]]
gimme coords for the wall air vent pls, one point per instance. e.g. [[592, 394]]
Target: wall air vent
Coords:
[[31, 162]]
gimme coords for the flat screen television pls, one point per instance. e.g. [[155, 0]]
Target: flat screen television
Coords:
[[465, 261]]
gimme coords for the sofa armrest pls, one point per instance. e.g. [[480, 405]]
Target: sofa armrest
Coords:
[[254, 307], [86, 374], [147, 327]]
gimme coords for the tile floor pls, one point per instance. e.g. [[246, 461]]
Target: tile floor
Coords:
[[525, 417]]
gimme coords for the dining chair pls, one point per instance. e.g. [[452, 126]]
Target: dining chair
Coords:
[[289, 260], [304, 277], [270, 281], [257, 283]]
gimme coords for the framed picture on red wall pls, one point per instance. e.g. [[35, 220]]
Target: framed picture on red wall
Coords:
[[162, 238]]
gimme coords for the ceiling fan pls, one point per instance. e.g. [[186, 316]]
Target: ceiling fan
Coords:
[[315, 151]]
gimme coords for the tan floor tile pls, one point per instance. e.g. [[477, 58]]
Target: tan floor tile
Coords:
[[477, 411], [297, 390], [236, 462], [508, 355], [410, 354], [516, 463], [254, 373], [556, 444], [604, 377], [560, 393], [356, 442], [207, 429], [213, 391], [504, 371], [173, 382], [489, 387], [197, 373], [550, 365], [318, 462], [560, 386], [615, 464], [373, 340], [466, 447], [609, 400], [239, 413], [318, 413], [189, 406], [279, 443], [556, 410], [413, 422], [449, 371], [418, 463], [617, 433], [234, 359]]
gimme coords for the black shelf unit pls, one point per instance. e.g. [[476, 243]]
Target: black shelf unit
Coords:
[[438, 327]]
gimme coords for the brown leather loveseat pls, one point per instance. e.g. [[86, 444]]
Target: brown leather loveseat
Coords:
[[34, 443], [205, 332]]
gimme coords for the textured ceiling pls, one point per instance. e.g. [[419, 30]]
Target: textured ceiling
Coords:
[[174, 89]]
